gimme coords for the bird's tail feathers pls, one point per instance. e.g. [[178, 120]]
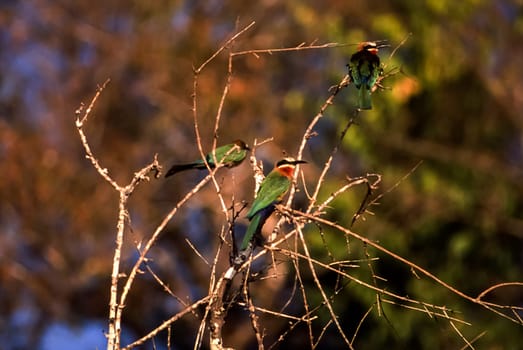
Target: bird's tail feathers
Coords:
[[252, 231], [182, 167], [364, 100]]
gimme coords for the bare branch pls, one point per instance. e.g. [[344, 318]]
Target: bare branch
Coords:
[[115, 308], [490, 306], [168, 323], [300, 47], [223, 47], [500, 285]]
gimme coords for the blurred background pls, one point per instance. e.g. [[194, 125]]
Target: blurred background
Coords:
[[456, 105]]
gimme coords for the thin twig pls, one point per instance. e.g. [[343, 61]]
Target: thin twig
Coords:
[[320, 288], [167, 323], [196, 251], [159, 229], [300, 47], [115, 308], [475, 339], [490, 306], [360, 324], [500, 285], [213, 56], [459, 333]]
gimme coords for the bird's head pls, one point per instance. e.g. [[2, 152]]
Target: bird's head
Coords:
[[369, 46], [241, 145], [287, 165]]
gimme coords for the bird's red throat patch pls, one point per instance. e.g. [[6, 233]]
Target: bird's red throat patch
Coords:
[[287, 170]]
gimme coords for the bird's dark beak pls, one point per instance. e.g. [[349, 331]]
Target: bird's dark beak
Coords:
[[247, 148], [382, 43], [299, 161]]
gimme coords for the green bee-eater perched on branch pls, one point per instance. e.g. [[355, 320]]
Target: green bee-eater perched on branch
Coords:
[[228, 155], [364, 70], [271, 192]]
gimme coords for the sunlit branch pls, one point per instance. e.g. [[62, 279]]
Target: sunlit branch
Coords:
[[301, 47], [115, 308]]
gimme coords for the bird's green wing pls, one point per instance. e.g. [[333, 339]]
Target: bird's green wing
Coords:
[[220, 153], [227, 155], [272, 189], [234, 157], [354, 73]]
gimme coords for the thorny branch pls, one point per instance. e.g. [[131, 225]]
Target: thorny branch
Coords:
[[115, 308]]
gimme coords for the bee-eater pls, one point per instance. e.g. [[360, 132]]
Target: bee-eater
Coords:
[[271, 192], [364, 70], [229, 155]]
